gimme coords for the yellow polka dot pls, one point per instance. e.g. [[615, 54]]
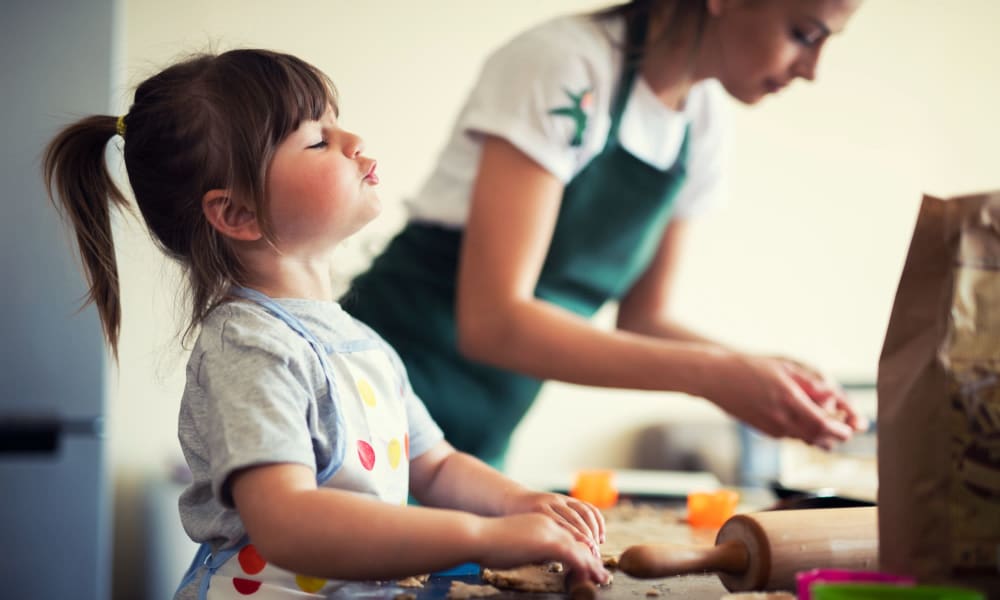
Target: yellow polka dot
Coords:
[[366, 391], [309, 584], [395, 452]]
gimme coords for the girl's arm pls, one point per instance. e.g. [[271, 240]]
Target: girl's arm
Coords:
[[337, 534], [446, 478], [513, 214]]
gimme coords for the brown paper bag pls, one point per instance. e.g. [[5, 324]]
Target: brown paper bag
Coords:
[[939, 401]]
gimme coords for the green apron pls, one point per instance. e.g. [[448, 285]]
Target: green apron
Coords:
[[610, 224]]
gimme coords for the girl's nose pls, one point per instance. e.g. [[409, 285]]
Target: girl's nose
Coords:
[[354, 146]]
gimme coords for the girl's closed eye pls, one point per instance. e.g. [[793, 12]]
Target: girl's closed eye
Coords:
[[319, 144]]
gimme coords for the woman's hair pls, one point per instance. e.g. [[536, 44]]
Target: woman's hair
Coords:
[[680, 17], [208, 122]]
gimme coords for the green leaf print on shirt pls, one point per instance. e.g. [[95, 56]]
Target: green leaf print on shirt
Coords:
[[577, 111]]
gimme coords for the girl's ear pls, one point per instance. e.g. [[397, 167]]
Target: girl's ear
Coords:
[[230, 217]]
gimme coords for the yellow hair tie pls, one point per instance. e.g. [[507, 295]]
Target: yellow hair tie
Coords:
[[120, 126]]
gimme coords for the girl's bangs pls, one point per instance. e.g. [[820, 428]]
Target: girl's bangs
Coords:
[[304, 96]]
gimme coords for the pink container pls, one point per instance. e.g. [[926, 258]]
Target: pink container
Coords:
[[806, 579]]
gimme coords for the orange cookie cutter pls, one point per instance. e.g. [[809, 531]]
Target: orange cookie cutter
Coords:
[[711, 509], [596, 487]]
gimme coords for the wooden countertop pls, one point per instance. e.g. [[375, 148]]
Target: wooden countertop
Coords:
[[628, 524]]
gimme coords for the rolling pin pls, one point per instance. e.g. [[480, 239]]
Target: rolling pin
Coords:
[[764, 550]]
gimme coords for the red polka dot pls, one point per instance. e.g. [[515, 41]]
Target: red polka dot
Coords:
[[366, 454], [245, 586], [251, 562], [406, 445]]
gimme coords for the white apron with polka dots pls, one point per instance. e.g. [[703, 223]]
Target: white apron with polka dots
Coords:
[[369, 392]]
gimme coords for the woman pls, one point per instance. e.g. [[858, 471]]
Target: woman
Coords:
[[569, 180]]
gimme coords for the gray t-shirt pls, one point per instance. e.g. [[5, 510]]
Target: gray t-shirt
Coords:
[[257, 393]]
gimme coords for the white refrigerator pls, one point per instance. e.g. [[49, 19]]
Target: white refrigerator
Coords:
[[55, 531]]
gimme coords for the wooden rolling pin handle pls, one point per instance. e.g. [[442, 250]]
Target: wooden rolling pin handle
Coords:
[[651, 560]]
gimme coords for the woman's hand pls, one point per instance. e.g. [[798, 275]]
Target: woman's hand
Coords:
[[522, 539], [784, 398], [583, 520], [834, 401]]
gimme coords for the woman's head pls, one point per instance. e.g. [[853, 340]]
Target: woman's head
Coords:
[[753, 47], [209, 122], [757, 47]]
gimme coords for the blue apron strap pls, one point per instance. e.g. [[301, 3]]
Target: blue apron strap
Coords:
[[211, 561], [204, 551], [214, 562], [278, 311], [322, 475]]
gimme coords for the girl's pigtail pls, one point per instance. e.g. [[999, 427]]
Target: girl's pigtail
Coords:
[[79, 184]]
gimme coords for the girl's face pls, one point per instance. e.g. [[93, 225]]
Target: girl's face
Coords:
[[320, 187], [762, 45]]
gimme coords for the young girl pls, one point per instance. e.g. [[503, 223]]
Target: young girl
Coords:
[[298, 422]]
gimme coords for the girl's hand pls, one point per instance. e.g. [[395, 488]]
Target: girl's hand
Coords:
[[522, 539], [583, 520], [783, 398]]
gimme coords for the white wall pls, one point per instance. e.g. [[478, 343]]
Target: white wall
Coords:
[[826, 180]]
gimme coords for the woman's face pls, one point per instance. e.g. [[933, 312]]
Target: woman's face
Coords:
[[760, 46]]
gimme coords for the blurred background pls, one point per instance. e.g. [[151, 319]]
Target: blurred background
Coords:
[[825, 183]]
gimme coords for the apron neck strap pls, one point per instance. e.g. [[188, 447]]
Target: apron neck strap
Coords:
[[324, 473], [632, 60]]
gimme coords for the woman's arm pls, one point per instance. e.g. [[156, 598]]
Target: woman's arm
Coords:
[[337, 534], [645, 309], [500, 321]]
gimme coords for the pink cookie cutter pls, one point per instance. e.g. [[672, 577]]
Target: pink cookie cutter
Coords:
[[806, 579]]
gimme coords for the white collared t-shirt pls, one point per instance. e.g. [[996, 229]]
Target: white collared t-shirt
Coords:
[[549, 93]]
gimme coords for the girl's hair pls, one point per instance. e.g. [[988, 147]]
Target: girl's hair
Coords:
[[680, 17], [208, 122]]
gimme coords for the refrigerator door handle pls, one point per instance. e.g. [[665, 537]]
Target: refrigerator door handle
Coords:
[[42, 436]]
